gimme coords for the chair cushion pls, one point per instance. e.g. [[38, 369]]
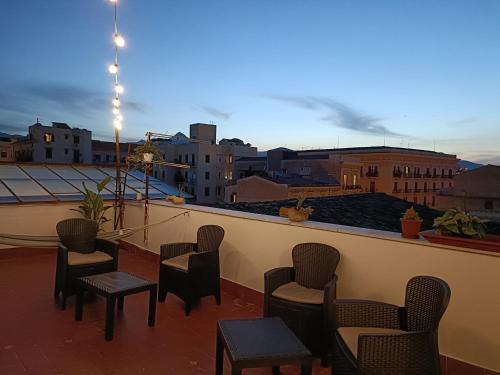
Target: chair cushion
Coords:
[[76, 259], [298, 293], [179, 262], [350, 335]]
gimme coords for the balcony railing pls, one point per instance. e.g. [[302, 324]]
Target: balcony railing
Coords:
[[372, 174], [427, 175], [397, 174], [351, 187]]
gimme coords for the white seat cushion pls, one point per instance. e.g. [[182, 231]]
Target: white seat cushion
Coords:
[[297, 293], [76, 259], [180, 262], [350, 335]]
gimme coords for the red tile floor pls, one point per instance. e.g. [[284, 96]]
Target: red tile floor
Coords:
[[38, 338]]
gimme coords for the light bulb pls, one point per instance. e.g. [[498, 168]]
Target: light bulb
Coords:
[[116, 102], [119, 41], [113, 68], [117, 124], [116, 111], [119, 88], [119, 117], [113, 1]]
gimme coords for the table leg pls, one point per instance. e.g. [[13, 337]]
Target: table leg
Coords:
[[276, 370], [152, 306], [219, 356], [79, 303], [110, 317], [120, 303], [306, 368]]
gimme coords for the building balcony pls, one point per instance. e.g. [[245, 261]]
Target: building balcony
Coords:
[[39, 338], [397, 174], [371, 174], [352, 187]]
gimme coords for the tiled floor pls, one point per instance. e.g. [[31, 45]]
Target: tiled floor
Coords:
[[38, 338]]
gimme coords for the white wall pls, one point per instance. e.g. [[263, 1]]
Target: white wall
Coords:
[[374, 265]]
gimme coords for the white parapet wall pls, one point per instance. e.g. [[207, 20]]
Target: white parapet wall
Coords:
[[374, 265]]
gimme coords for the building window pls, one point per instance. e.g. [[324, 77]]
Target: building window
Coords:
[[416, 186], [450, 173], [76, 139], [219, 176], [185, 175], [107, 158], [488, 204], [218, 191], [3, 154], [48, 153], [180, 159], [425, 186], [406, 187], [66, 136], [162, 175], [192, 159], [207, 175], [65, 151], [450, 184], [207, 158], [186, 158], [207, 191], [345, 180], [395, 188], [354, 180], [230, 159], [156, 174], [415, 199], [230, 175], [48, 138], [425, 201], [433, 201], [233, 198], [442, 173]]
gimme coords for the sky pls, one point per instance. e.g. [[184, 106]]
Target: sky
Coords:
[[295, 73]]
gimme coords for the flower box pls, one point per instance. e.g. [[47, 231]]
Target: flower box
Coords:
[[488, 243]]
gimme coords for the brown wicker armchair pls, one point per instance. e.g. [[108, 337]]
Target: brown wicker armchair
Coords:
[[81, 254], [382, 339], [191, 270], [302, 295]]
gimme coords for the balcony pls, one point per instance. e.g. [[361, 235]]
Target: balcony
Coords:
[[36, 336], [371, 174], [397, 174], [352, 187], [427, 175]]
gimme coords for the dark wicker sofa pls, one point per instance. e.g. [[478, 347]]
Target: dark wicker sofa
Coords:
[[302, 295], [191, 270], [377, 338], [81, 253]]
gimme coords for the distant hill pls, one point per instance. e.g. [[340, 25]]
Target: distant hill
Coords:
[[464, 164]]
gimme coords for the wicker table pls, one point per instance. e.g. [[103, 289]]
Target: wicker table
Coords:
[[115, 286], [259, 343]]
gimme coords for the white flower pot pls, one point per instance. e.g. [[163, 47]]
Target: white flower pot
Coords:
[[148, 157]]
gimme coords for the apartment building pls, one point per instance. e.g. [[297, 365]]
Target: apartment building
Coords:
[[477, 191], [105, 152], [414, 175], [60, 143], [211, 163]]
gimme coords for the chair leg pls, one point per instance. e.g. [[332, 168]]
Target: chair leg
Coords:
[[187, 307], [217, 294], [56, 292], [162, 294], [63, 302]]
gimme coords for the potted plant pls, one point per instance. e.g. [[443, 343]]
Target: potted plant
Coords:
[[93, 207], [462, 229], [410, 224], [299, 213], [147, 152], [179, 181]]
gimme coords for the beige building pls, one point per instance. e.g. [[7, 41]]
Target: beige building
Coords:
[[477, 191], [211, 164], [410, 174], [260, 189]]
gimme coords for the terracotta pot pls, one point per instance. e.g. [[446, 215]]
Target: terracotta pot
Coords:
[[175, 199], [489, 243], [299, 215], [410, 228], [284, 211]]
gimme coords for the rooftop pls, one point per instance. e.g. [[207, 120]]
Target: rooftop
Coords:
[[377, 149]]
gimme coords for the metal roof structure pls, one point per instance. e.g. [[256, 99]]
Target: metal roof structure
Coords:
[[24, 183]]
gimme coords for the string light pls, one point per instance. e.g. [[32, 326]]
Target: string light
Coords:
[[119, 88], [118, 124], [119, 117], [116, 111], [116, 103], [113, 68], [119, 41]]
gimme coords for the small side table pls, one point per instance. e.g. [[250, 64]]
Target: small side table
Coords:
[[265, 342], [115, 286]]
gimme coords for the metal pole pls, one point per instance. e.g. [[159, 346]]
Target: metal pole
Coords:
[[118, 187]]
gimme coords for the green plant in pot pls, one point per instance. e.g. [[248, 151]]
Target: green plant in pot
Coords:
[[93, 206], [459, 223], [299, 212], [147, 152], [410, 224]]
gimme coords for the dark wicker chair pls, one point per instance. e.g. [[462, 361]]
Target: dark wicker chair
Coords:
[[302, 295], [382, 339], [191, 270], [81, 254]]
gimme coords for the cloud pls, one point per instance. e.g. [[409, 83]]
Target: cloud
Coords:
[[464, 121], [13, 129], [338, 114], [49, 97], [215, 112]]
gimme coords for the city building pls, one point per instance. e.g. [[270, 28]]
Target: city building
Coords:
[[15, 148], [105, 152], [410, 174], [476, 191], [211, 163], [60, 143], [260, 189]]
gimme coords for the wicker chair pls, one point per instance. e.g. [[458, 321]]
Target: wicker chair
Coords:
[[302, 295], [191, 270], [81, 254], [381, 339]]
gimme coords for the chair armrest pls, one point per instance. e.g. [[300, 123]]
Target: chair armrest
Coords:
[[62, 255], [364, 313], [107, 246], [328, 300], [401, 353], [204, 260], [172, 250], [273, 279]]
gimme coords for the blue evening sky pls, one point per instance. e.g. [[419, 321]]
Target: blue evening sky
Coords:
[[295, 73]]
